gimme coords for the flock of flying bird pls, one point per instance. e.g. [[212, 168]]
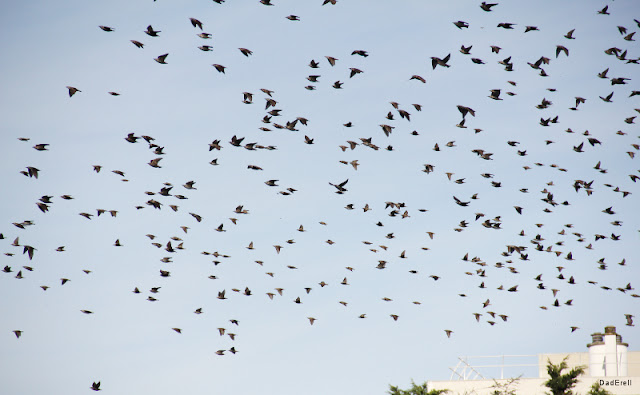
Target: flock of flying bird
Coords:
[[163, 199]]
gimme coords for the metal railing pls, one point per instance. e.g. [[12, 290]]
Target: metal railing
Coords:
[[485, 366]]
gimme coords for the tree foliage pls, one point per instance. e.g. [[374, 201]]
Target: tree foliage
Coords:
[[596, 389], [559, 383], [506, 388], [414, 390]]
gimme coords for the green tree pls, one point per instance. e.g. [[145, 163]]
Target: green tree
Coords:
[[414, 390], [505, 388], [559, 383], [596, 389]]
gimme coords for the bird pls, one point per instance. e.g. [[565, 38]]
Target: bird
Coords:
[[495, 94], [560, 49], [629, 319], [460, 202], [41, 147], [603, 74], [195, 23], [435, 61], [487, 7], [340, 187], [619, 81], [466, 110], [73, 90], [161, 59], [607, 99], [154, 162], [461, 24], [95, 386], [150, 32], [354, 72]]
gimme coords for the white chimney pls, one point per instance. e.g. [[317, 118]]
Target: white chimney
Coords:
[[607, 354]]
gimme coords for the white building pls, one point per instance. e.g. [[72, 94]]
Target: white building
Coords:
[[607, 361]]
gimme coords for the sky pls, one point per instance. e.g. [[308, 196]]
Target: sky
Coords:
[[405, 249]]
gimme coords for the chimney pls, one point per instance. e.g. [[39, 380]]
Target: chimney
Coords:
[[607, 354]]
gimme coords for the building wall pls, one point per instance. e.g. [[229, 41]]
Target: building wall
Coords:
[[624, 386], [582, 358], [633, 361]]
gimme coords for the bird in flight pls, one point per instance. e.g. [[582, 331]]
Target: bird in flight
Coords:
[[151, 32], [435, 61], [161, 59], [340, 187], [487, 7], [73, 90]]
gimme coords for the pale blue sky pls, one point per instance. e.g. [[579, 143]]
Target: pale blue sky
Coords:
[[128, 343]]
